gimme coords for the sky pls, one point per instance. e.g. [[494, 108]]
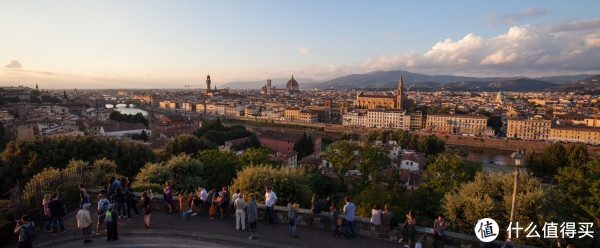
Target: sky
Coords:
[[169, 44]]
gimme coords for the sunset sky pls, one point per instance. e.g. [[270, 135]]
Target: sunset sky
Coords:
[[168, 44]]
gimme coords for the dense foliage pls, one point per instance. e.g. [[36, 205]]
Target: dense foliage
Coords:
[[286, 183], [185, 143], [490, 196], [183, 171], [137, 118], [24, 158], [304, 146], [215, 132]]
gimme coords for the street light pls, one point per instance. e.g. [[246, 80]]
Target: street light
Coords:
[[519, 158]]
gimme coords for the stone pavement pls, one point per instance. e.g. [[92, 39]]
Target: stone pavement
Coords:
[[198, 231]]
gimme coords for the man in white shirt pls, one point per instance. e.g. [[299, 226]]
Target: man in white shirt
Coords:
[[203, 195], [270, 200]]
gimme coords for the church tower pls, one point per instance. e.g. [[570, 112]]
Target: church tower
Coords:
[[208, 82], [268, 86], [400, 97]]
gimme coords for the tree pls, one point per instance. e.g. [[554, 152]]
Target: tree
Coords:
[[185, 143], [372, 160], [431, 145], [183, 171], [220, 172], [286, 183], [489, 195], [580, 190], [64, 94], [144, 136], [495, 122], [554, 156], [4, 139], [342, 156], [534, 164], [255, 156], [445, 174], [304, 146], [577, 155]]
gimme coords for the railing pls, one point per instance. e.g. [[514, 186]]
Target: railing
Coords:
[[28, 199]]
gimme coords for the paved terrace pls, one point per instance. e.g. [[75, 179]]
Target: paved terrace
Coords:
[[198, 231]]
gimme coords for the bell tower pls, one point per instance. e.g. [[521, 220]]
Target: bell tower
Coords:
[[400, 97], [208, 82]]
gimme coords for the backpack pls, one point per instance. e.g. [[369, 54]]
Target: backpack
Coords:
[[105, 206], [30, 232], [109, 217]]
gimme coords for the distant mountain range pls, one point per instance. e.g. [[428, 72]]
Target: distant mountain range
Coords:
[[423, 82]]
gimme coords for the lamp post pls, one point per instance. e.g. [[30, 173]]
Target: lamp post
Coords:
[[518, 158]]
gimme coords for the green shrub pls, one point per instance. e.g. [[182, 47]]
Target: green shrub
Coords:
[[141, 187], [284, 182], [183, 171]]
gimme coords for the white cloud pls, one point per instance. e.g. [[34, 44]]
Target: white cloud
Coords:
[[390, 34], [14, 64], [303, 50], [523, 50], [510, 18]]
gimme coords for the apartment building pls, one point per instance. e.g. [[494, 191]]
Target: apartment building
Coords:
[[458, 124], [533, 128]]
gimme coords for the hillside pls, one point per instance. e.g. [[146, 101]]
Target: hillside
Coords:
[[590, 85]]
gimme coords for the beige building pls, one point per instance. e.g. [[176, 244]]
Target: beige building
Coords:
[[532, 129], [355, 119], [387, 118], [308, 116], [583, 134], [463, 124], [292, 113], [417, 121]]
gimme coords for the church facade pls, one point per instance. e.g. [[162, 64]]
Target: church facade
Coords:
[[399, 101]]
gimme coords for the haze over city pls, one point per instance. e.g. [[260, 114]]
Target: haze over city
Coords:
[[153, 44]]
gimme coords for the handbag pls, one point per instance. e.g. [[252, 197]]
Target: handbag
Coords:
[[340, 221]]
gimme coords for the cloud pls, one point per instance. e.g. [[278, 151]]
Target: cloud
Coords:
[[302, 50], [14, 64], [523, 50], [390, 34], [510, 18]]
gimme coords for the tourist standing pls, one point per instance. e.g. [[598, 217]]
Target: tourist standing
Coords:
[[349, 210], [387, 216], [57, 211], [252, 211], [408, 228], [84, 222], [147, 207], [130, 201], [26, 230], [102, 208], [183, 205], [234, 197], [168, 194], [83, 196], [224, 203], [292, 217], [439, 227], [240, 212], [376, 215], [270, 201], [335, 219], [209, 200], [317, 205], [120, 200], [47, 216], [111, 223]]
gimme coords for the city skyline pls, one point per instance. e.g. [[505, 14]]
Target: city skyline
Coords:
[[69, 44]]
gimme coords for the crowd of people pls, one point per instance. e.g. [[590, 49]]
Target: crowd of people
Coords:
[[118, 199]]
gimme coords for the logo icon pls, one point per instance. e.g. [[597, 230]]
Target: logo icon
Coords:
[[487, 230]]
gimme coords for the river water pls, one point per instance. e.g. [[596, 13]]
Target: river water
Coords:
[[124, 109], [492, 159]]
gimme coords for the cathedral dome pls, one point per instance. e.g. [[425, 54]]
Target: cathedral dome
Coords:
[[292, 84]]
